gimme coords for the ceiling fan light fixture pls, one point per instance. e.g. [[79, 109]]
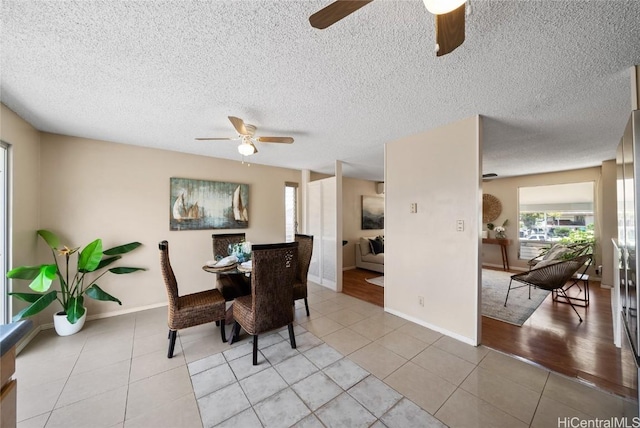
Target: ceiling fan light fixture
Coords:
[[440, 7], [246, 149]]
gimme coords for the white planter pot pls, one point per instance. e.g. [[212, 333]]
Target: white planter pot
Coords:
[[64, 327]]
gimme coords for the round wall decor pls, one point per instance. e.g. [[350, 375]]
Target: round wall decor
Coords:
[[491, 208]]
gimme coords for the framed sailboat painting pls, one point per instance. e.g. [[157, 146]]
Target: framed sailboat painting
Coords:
[[202, 204]]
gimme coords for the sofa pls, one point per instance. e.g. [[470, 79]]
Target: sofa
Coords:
[[366, 258]]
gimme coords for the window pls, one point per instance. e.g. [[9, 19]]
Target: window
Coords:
[[291, 211], [552, 213]]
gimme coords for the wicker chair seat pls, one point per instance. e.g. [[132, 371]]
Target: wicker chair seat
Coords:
[[191, 309], [197, 308]]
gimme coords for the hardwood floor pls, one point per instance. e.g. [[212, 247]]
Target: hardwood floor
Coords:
[[354, 284], [553, 337]]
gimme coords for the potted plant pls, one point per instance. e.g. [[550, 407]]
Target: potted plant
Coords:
[[74, 283]]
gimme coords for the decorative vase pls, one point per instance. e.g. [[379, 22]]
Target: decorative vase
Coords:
[[64, 327]]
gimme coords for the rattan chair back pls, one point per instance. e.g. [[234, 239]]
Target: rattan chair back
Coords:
[[221, 241], [274, 269]]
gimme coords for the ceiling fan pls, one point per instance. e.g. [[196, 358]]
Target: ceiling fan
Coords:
[[450, 19], [246, 134]]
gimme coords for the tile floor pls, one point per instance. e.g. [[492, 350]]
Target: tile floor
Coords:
[[355, 365]]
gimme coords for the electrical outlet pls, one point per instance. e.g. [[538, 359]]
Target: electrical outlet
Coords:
[[460, 225], [413, 208], [421, 300]]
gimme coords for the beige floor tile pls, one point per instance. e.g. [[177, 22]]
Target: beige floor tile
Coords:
[[154, 363], [346, 341], [148, 344], [321, 326], [118, 325], [402, 344], [147, 328], [389, 320], [201, 332], [449, 367], [502, 393], [94, 359], [87, 384], [518, 371], [182, 412], [326, 307], [473, 354], [104, 410], [421, 386], [45, 369], [377, 360], [466, 410], [366, 309], [36, 422], [196, 350], [300, 315], [37, 399], [424, 334], [371, 330], [313, 298], [346, 317], [157, 391], [549, 412], [47, 344], [583, 398]]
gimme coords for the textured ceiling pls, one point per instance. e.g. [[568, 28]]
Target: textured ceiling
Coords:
[[551, 77]]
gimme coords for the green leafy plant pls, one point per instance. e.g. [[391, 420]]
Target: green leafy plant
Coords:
[[73, 285]]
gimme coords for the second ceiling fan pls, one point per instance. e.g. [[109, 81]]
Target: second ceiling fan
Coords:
[[246, 134], [450, 19]]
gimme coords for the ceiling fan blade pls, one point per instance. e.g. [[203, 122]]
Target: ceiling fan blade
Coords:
[[286, 140], [205, 139], [239, 125], [335, 12], [450, 30]]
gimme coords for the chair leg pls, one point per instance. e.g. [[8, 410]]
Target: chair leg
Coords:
[[223, 333], [235, 332], [509, 289], [306, 305], [292, 337], [172, 342], [255, 350], [561, 291]]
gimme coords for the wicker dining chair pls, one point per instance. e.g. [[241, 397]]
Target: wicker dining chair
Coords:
[[191, 309], [305, 249], [269, 305], [552, 277], [231, 286]]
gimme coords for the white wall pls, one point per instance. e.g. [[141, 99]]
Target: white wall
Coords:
[[424, 255], [120, 193]]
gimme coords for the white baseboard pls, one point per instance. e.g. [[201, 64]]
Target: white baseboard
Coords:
[[348, 268], [520, 269], [456, 336]]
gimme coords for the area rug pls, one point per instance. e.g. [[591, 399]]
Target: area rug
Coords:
[[519, 307], [378, 280]]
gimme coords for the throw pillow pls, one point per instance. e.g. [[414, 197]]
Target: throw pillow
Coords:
[[377, 246]]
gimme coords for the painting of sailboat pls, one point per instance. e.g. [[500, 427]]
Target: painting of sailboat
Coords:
[[202, 204]]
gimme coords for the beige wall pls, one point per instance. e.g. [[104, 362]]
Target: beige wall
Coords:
[[352, 192], [24, 196], [424, 254], [506, 190], [120, 193]]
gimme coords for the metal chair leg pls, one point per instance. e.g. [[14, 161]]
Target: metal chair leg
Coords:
[[560, 290], [306, 305], [508, 290], [223, 333]]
